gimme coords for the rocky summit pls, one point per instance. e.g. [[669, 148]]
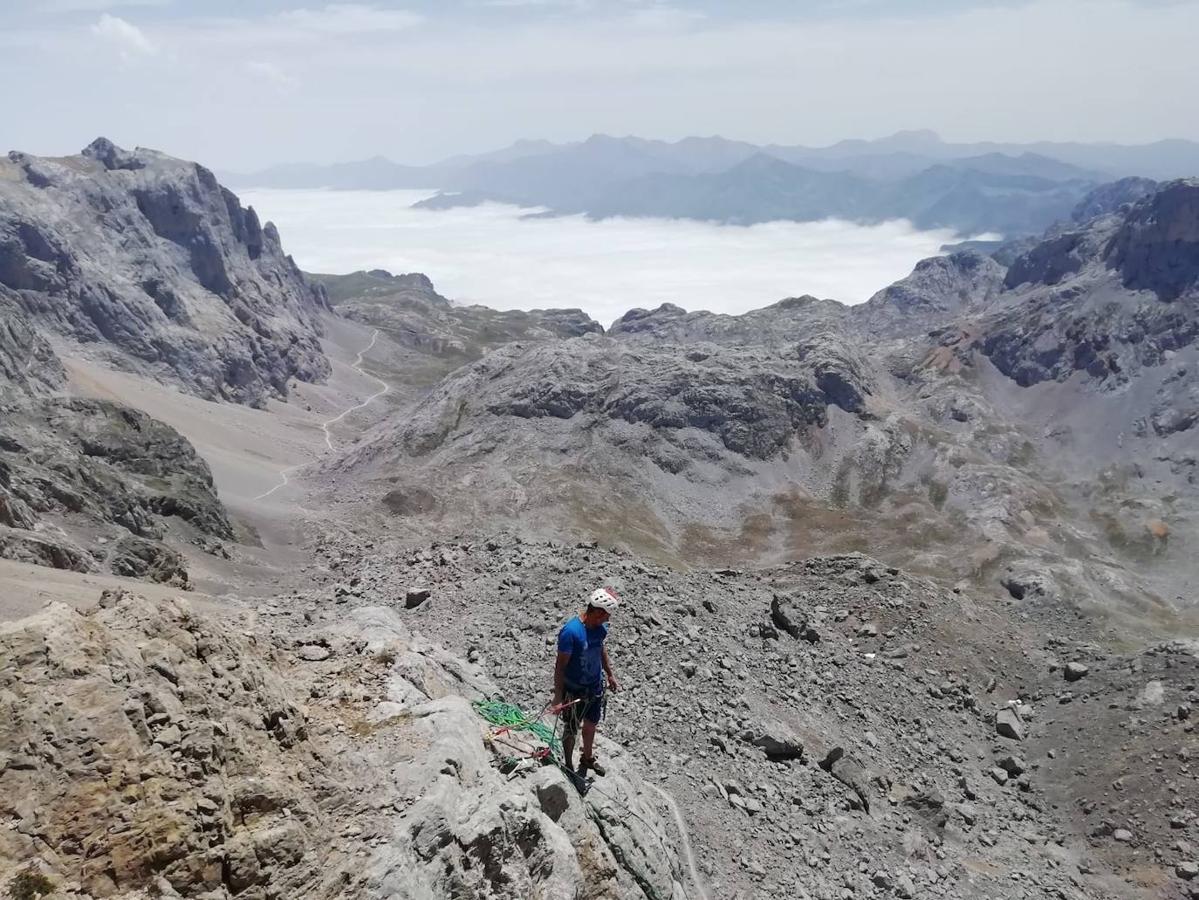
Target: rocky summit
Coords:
[[147, 261], [907, 586]]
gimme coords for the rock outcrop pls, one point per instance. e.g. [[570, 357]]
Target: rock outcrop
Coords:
[[148, 262], [1157, 245], [1108, 299], [147, 748], [1110, 198], [939, 290], [90, 485], [443, 335]]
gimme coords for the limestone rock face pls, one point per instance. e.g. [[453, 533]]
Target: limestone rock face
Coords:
[[27, 362], [1109, 299], [938, 290], [1109, 198], [1157, 246], [94, 485], [149, 262], [144, 747], [146, 263]]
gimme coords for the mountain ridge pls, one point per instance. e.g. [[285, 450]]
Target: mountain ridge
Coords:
[[1015, 189]]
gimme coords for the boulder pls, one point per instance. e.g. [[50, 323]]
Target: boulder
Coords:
[[1008, 724], [929, 806], [136, 557], [787, 616], [1073, 671], [414, 598], [849, 772], [778, 743], [1013, 765]]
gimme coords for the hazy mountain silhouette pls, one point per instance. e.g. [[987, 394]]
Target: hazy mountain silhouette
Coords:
[[970, 187]]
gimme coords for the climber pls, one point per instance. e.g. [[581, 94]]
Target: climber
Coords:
[[579, 676]]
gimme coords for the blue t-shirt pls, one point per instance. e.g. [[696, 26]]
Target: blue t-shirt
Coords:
[[585, 646]]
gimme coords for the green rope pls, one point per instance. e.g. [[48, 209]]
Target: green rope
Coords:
[[508, 715]]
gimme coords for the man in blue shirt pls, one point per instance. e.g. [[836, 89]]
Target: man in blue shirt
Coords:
[[579, 676]]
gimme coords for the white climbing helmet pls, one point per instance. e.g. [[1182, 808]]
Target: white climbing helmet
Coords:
[[604, 598]]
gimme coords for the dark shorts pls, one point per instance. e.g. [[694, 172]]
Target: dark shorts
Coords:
[[589, 709]]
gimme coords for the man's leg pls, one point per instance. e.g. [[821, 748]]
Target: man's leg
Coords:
[[588, 739], [568, 747], [570, 729], [591, 720]]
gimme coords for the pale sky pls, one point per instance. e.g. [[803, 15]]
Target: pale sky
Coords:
[[241, 85]]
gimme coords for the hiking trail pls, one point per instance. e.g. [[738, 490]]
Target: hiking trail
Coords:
[[357, 367]]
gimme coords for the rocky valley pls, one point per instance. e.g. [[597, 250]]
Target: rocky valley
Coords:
[[909, 586]]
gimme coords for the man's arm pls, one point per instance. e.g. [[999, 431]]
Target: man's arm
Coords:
[[560, 677], [612, 682]]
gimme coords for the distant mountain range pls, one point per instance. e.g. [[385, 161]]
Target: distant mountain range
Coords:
[[1013, 189]]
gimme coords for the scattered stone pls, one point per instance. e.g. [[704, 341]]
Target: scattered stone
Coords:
[[929, 806], [1008, 724], [1074, 671], [169, 736], [416, 597], [779, 744], [1013, 765], [849, 772]]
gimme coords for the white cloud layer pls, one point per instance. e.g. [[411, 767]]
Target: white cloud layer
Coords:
[[125, 36], [491, 255]]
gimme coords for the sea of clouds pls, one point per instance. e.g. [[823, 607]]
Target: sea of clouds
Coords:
[[498, 256]]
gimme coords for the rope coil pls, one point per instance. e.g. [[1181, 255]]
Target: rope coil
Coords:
[[510, 718]]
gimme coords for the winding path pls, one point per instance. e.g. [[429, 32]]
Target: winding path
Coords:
[[357, 367]]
